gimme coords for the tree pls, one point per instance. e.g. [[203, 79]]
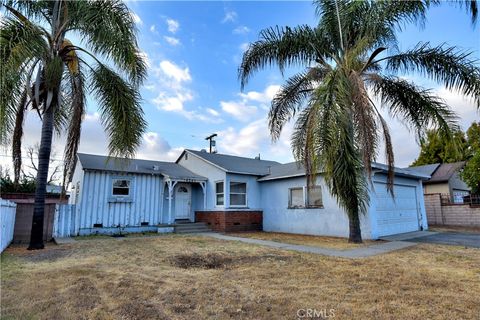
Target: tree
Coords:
[[350, 57], [471, 173], [44, 71], [473, 139], [54, 168], [440, 148]]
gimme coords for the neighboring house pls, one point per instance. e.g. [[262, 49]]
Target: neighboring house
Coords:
[[445, 179], [232, 193]]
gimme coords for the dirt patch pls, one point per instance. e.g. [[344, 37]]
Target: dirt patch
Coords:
[[202, 261], [139, 310], [219, 261], [51, 253]]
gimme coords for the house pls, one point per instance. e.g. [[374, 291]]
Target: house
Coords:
[[444, 179], [231, 193]]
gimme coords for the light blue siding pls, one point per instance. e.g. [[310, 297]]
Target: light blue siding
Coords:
[[330, 220], [96, 205], [253, 191]]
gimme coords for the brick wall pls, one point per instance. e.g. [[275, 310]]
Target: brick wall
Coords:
[[226, 221], [450, 214]]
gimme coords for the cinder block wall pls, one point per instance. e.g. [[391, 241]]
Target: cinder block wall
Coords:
[[226, 221], [450, 214]]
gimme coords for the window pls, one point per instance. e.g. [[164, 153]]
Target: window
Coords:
[[238, 194], [219, 193], [295, 199], [120, 187], [314, 197]]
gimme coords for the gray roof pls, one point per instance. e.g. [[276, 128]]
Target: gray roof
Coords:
[[295, 169], [428, 169], [440, 172], [235, 164], [167, 169]]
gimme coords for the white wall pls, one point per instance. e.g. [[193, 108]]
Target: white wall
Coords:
[[330, 220], [7, 222], [205, 169]]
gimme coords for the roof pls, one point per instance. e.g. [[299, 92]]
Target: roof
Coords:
[[428, 169], [295, 169], [235, 164], [167, 169], [445, 171]]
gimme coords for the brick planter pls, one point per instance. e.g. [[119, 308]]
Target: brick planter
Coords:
[[226, 221]]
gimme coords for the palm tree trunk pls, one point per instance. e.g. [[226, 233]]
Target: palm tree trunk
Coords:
[[355, 232], [36, 237]]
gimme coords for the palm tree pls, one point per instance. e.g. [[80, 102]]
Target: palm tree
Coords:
[[44, 71], [351, 62]]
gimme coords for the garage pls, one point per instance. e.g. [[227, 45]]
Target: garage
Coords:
[[399, 214]]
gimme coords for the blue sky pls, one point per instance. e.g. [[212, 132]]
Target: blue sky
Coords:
[[194, 49]]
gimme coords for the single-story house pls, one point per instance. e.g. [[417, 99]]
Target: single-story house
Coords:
[[445, 179], [232, 193]]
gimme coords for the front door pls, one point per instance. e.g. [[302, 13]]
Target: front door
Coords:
[[182, 201]]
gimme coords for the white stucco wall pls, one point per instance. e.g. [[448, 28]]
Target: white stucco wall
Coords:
[[205, 169], [330, 220]]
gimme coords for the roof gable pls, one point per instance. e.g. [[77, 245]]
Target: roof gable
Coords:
[[234, 164]]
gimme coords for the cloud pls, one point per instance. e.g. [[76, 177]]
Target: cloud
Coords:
[[230, 16], [173, 25], [247, 106], [239, 109], [153, 29], [244, 46], [253, 139], [172, 41], [157, 148], [171, 70], [241, 30], [136, 18], [213, 112]]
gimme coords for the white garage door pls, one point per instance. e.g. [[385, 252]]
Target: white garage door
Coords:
[[397, 215]]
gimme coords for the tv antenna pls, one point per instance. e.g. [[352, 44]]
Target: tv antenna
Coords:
[[212, 142]]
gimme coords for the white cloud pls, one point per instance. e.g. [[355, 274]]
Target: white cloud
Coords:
[[153, 29], [136, 18], [172, 41], [213, 112], [173, 25], [239, 109], [175, 72], [241, 30], [264, 97], [230, 16], [173, 101], [244, 46]]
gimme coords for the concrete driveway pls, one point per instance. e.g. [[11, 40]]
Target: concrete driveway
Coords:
[[467, 239], [453, 238]]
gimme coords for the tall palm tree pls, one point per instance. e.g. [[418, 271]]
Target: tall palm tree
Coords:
[[351, 62], [42, 70]]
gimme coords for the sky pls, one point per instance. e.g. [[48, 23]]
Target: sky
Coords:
[[193, 50]]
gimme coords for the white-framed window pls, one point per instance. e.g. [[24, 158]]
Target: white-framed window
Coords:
[[220, 193], [304, 197], [238, 194], [121, 187], [296, 198], [314, 197]]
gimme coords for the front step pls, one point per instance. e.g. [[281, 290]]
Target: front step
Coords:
[[193, 227]]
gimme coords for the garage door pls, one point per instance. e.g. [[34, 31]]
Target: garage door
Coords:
[[397, 215]]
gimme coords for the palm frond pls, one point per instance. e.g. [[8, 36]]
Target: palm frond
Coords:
[[417, 107], [120, 111], [446, 65], [283, 47]]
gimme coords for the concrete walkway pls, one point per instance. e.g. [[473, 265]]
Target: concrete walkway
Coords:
[[351, 254]]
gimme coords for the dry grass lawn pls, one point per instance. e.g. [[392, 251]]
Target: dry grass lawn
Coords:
[[315, 241], [192, 277]]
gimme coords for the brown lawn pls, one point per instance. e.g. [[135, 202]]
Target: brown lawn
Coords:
[[192, 277], [316, 241]]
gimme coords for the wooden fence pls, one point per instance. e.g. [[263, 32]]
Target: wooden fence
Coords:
[[23, 222], [7, 222]]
